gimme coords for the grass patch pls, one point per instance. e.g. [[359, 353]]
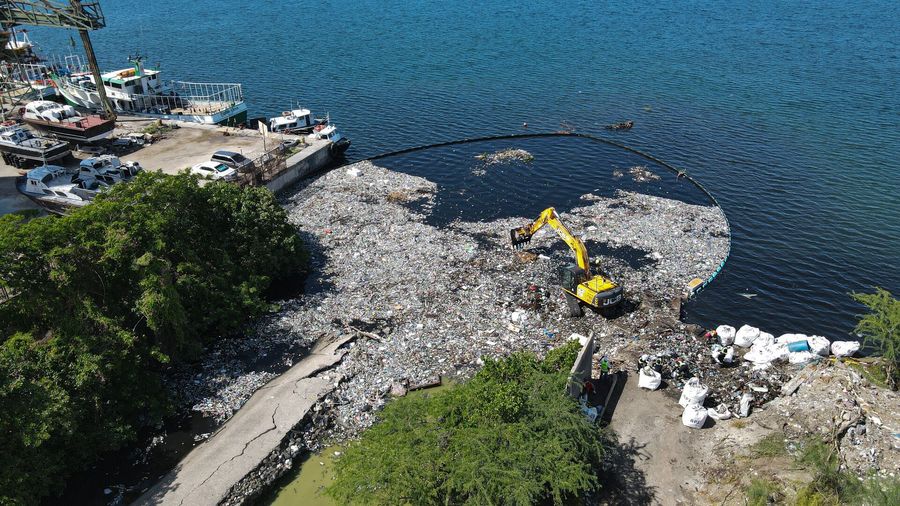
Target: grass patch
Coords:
[[874, 372], [157, 128], [760, 492], [770, 446], [739, 424]]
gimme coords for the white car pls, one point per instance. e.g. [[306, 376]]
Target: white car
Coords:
[[215, 170]]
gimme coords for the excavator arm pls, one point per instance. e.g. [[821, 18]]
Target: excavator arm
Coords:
[[519, 236]]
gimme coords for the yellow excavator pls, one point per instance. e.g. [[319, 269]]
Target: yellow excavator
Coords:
[[577, 283]]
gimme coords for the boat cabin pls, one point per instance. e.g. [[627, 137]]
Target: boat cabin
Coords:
[[292, 120], [108, 169]]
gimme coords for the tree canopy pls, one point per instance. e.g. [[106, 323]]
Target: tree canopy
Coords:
[[94, 304], [510, 435]]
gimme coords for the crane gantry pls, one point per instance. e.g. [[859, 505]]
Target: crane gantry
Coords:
[[77, 15]]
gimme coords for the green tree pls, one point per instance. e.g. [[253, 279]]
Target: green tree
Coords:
[[99, 302], [879, 329], [510, 435]]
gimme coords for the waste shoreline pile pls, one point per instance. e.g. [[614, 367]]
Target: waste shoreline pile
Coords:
[[428, 302]]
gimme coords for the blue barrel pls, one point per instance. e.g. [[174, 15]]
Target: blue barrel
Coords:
[[799, 346]]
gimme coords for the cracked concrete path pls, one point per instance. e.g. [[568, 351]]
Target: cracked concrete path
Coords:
[[206, 474]]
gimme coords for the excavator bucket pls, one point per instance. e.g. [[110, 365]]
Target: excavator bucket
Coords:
[[518, 237]]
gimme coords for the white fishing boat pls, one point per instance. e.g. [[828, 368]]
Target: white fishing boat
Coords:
[[56, 188], [296, 121], [19, 147], [66, 123], [339, 143], [139, 91]]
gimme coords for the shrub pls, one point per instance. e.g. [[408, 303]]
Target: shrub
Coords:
[[879, 329], [510, 435], [102, 299]]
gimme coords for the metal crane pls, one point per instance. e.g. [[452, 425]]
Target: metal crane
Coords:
[[78, 15]]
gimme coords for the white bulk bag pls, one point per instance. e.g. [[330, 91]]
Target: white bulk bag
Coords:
[[844, 348], [694, 392], [720, 412], [790, 338], [802, 357], [649, 379], [694, 416], [745, 336], [725, 334], [819, 345], [764, 339]]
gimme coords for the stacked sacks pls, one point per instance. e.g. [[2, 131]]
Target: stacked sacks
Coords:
[[692, 397]]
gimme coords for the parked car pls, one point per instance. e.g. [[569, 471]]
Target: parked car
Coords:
[[234, 160], [215, 170]]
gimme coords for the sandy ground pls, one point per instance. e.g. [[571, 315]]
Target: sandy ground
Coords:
[[190, 145], [657, 458], [10, 198]]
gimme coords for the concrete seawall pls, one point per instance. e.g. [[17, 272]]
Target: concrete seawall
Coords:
[[312, 159]]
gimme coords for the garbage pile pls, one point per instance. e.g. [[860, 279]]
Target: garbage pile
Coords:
[[730, 371], [428, 302], [506, 155]]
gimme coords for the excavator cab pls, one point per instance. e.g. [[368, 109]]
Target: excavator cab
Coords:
[[570, 276]]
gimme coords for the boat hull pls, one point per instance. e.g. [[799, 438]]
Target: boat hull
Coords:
[[55, 152], [340, 147], [230, 116], [88, 135], [51, 203]]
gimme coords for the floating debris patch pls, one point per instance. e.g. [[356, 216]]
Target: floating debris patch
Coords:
[[642, 174], [505, 156]]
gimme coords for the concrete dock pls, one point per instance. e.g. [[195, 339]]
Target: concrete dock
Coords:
[[208, 472], [186, 146]]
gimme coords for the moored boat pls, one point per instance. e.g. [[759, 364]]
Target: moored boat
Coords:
[[64, 122], [295, 121], [19, 146], [339, 143], [139, 91]]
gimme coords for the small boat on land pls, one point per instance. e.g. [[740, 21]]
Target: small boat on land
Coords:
[[64, 122], [19, 146], [296, 121], [57, 188], [139, 91], [339, 143]]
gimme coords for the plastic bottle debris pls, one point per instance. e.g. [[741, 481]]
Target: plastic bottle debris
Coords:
[[844, 348], [745, 336], [726, 334]]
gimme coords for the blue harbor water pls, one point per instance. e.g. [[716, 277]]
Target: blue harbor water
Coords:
[[789, 113]]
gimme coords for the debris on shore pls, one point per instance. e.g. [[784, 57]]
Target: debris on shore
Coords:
[[506, 155]]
